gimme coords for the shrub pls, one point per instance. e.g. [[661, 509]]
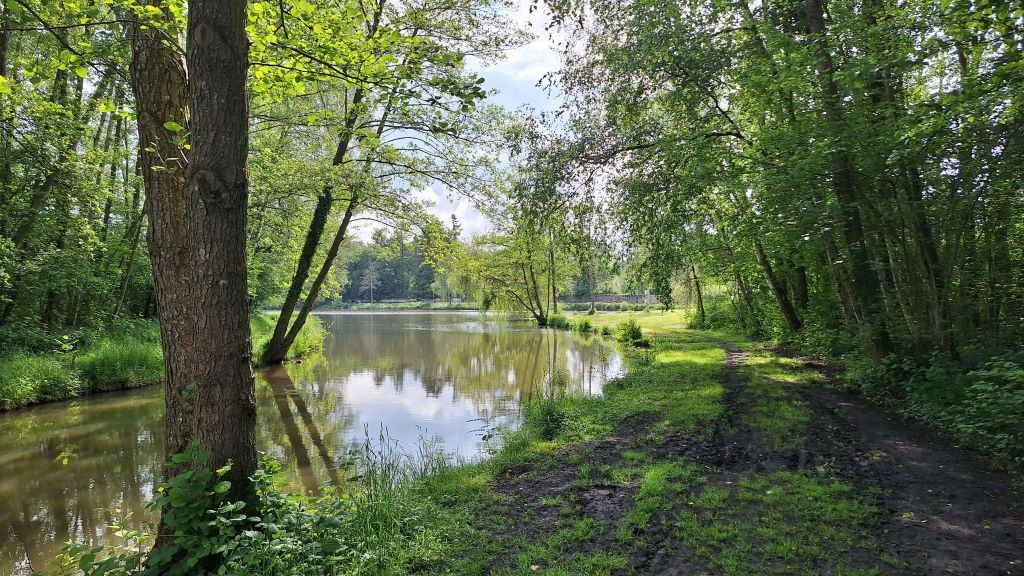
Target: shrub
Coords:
[[26, 380], [558, 322], [991, 415], [629, 331], [606, 331], [585, 326], [544, 417], [114, 364], [642, 342]]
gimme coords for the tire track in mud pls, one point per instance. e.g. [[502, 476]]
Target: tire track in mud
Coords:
[[944, 511]]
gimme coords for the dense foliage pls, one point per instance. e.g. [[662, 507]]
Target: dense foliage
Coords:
[[850, 172]]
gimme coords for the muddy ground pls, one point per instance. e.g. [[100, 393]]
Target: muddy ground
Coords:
[[943, 511]]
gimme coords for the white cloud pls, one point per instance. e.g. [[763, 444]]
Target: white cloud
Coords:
[[515, 80], [443, 204], [516, 77]]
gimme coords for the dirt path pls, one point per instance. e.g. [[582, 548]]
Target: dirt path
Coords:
[[950, 513], [942, 511]]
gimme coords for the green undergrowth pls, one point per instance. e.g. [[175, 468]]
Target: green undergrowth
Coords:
[[429, 514], [977, 401], [400, 514], [124, 355], [309, 340], [30, 379]]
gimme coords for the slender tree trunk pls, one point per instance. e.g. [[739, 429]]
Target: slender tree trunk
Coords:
[[5, 36], [590, 280], [699, 294], [276, 353], [866, 291], [801, 289], [781, 298], [273, 354], [542, 318], [128, 266]]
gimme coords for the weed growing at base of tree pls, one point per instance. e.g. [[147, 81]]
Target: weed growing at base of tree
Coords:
[[559, 322]]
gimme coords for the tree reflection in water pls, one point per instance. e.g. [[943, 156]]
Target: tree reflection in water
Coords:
[[72, 469]]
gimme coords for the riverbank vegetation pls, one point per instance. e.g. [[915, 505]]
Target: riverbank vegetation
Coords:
[[127, 355], [840, 177], [682, 461]]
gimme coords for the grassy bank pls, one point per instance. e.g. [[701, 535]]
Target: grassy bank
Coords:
[[126, 355], [592, 485]]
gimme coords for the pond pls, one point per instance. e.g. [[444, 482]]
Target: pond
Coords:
[[69, 470]]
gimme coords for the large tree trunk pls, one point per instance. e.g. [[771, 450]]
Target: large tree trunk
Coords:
[[224, 418], [196, 235], [158, 83]]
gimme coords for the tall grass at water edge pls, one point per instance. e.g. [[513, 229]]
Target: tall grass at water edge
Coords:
[[124, 355]]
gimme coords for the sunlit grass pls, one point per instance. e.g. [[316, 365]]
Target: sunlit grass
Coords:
[[30, 379], [309, 340], [777, 412], [115, 364]]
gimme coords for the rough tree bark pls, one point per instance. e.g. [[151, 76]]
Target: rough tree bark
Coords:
[[196, 234], [159, 87], [217, 181]]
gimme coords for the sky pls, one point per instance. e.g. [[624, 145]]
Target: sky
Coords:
[[513, 82]]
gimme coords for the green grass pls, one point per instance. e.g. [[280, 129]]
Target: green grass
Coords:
[[309, 340], [125, 355], [777, 413], [660, 481], [119, 363], [30, 379], [782, 523]]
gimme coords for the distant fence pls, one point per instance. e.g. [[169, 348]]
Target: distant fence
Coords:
[[610, 299]]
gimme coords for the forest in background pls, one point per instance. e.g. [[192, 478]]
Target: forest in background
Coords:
[[844, 177]]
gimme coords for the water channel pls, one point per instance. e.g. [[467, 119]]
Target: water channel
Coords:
[[69, 470]]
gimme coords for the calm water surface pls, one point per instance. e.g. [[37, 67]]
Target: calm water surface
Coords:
[[69, 470]]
